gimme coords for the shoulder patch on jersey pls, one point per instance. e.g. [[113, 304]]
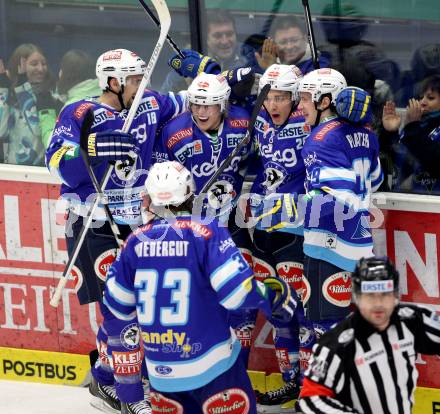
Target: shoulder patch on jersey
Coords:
[[82, 109], [178, 136], [239, 123], [406, 312], [320, 135], [346, 336], [130, 336]]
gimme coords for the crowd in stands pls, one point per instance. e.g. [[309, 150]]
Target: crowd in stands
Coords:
[[406, 104]]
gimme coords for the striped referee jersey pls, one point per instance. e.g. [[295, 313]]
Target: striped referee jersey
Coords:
[[357, 369]]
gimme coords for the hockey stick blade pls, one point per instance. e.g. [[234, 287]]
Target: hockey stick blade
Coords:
[[170, 40], [225, 164], [85, 129], [165, 23]]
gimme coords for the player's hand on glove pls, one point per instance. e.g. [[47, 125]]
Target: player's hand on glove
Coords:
[[193, 64], [285, 302], [111, 145], [241, 81]]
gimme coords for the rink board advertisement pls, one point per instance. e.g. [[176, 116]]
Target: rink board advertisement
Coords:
[[33, 254]]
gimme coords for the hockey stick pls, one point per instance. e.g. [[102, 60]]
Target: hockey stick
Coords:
[[258, 104], [165, 23], [310, 34], [170, 40]]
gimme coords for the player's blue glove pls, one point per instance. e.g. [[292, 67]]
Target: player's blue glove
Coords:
[[284, 303], [193, 64], [354, 104], [110, 145]]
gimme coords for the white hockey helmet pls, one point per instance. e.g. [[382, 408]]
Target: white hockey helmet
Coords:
[[118, 63], [282, 78], [169, 183], [209, 89], [324, 81]]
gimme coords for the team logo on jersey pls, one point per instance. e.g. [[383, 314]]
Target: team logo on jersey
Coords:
[[221, 193], [306, 336], [337, 289], [75, 279], [292, 273], [231, 401], [103, 263], [273, 177], [128, 170], [161, 404], [130, 336], [331, 241]]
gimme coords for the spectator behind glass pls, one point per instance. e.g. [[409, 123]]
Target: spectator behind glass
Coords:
[[419, 153], [344, 30], [221, 39], [357, 75], [293, 48], [77, 80], [26, 81], [424, 63]]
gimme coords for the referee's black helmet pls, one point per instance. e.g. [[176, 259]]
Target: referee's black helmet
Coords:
[[375, 269]]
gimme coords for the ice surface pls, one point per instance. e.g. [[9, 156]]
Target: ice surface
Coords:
[[33, 398]]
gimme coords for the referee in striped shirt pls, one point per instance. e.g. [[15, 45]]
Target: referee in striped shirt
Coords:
[[366, 364]]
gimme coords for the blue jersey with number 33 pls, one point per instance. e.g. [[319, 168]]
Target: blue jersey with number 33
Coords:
[[181, 278]]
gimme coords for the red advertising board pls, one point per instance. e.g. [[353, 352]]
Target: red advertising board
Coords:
[[33, 253], [32, 257]]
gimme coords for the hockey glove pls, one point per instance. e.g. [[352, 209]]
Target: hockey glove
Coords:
[[284, 303], [193, 64], [241, 80], [110, 146], [354, 104]]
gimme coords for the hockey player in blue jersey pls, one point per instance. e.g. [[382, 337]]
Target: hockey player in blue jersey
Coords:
[[342, 170], [181, 278], [201, 140], [279, 137], [119, 73]]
